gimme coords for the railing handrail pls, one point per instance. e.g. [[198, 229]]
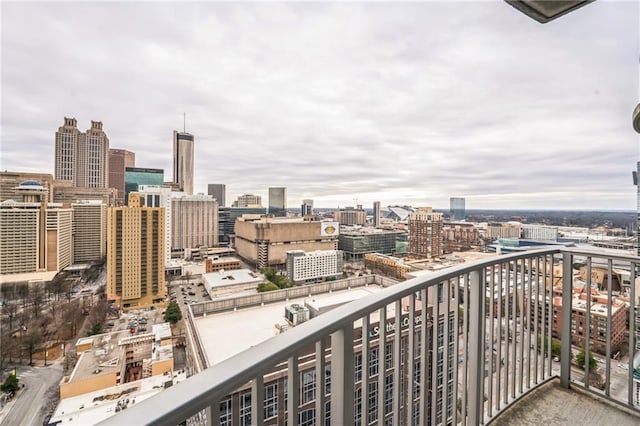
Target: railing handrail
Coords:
[[180, 401]]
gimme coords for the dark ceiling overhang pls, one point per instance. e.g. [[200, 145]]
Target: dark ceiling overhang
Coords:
[[544, 11]]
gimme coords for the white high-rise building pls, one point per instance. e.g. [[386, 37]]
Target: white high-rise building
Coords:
[[194, 222]]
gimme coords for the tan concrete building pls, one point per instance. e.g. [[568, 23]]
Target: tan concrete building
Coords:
[[265, 241], [425, 233], [135, 254], [10, 180], [248, 200], [67, 194], [194, 222], [89, 231], [119, 160], [110, 359], [35, 236], [82, 158], [504, 230], [351, 216]]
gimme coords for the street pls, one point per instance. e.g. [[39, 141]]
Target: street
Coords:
[[26, 408]]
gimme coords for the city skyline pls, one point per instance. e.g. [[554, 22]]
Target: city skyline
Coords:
[[334, 103]]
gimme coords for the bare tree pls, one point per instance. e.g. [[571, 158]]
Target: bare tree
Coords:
[[37, 298], [31, 342]]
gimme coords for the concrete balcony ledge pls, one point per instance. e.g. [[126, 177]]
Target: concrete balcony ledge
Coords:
[[554, 405]]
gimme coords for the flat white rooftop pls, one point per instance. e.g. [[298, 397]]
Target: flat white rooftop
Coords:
[[227, 278], [94, 407], [226, 334]]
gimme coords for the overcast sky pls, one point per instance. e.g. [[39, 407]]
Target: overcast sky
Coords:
[[405, 103]]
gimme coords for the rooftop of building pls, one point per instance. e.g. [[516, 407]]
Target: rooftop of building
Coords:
[[106, 354], [93, 407], [237, 276], [104, 357], [244, 328]]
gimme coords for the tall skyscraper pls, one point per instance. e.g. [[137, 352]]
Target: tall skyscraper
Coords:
[[278, 201], [218, 191], [377, 213], [457, 208], [183, 161], [119, 160], [307, 207], [82, 158], [135, 254], [425, 233]]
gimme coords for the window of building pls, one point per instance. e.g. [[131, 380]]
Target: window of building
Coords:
[[271, 400], [226, 415], [245, 409], [307, 417], [308, 388]]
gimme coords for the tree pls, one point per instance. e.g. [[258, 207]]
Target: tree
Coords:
[[31, 342], [556, 346], [581, 361], [95, 329], [37, 298], [267, 287], [10, 384], [173, 313]]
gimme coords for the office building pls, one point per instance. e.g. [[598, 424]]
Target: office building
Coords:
[[278, 201], [89, 231], [307, 208], [459, 236], [510, 230], [183, 161], [457, 208], [135, 254], [119, 160], [136, 176], [307, 267], [356, 243], [9, 181], [160, 196], [218, 191], [377, 214], [248, 200], [425, 233], [540, 233], [66, 194], [227, 220], [194, 222], [264, 241], [35, 236], [82, 158], [375, 369], [351, 216]]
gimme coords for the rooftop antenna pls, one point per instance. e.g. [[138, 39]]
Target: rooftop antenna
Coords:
[[184, 122]]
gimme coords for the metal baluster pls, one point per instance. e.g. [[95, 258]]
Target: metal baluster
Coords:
[[341, 377]]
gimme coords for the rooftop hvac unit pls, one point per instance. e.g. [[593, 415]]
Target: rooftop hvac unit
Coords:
[[296, 314]]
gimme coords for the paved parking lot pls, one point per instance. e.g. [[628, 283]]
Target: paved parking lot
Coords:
[[189, 292]]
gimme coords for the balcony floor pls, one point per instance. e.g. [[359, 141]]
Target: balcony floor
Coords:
[[552, 404]]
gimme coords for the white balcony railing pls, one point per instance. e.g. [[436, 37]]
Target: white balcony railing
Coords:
[[472, 340]]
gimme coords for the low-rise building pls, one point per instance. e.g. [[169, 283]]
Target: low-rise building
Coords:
[[111, 359], [304, 267]]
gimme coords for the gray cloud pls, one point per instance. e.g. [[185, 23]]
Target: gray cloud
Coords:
[[402, 103]]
